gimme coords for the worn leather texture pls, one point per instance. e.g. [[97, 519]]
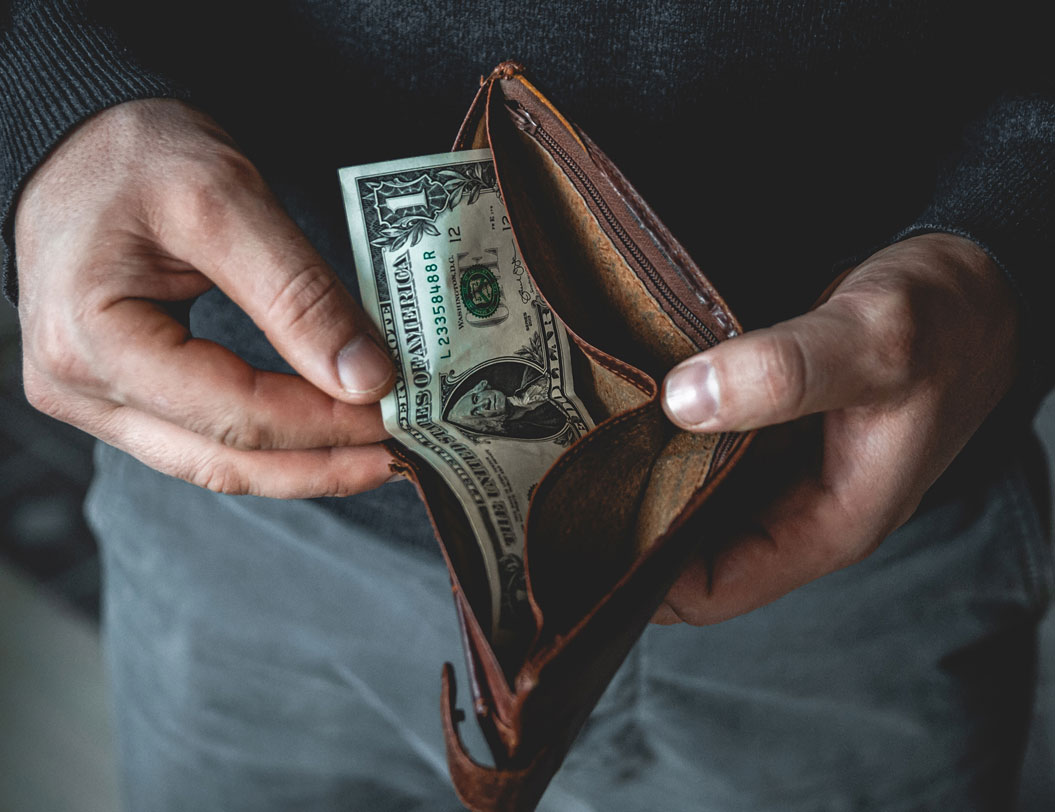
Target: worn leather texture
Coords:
[[612, 523]]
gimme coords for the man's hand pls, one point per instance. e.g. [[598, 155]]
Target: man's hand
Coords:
[[904, 361], [149, 203]]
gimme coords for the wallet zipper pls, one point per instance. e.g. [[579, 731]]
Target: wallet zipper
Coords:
[[524, 121]]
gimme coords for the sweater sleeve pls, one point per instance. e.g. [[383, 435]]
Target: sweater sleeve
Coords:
[[998, 190], [59, 64]]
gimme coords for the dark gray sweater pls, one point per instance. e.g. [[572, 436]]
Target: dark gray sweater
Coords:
[[777, 139]]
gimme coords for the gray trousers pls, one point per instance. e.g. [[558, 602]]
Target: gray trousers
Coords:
[[268, 655]]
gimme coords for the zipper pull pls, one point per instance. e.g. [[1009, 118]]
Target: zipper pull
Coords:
[[521, 117], [505, 70]]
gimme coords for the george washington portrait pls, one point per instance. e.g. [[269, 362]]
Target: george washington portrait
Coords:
[[506, 399]]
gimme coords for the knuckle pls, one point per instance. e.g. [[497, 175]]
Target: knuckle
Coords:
[[196, 202], [339, 477], [54, 350], [242, 434], [218, 476], [41, 396], [905, 511], [834, 551], [891, 320], [305, 299], [333, 476], [854, 536], [783, 373], [905, 515], [857, 553], [231, 168], [693, 616], [895, 334], [335, 486], [206, 184], [200, 201]]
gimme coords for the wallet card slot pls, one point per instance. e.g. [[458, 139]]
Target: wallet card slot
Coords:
[[580, 536], [681, 469], [577, 653], [587, 530]]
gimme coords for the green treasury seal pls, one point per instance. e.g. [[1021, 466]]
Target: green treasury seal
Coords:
[[480, 291]]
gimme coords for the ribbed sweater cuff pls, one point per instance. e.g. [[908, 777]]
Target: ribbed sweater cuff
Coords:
[[57, 67], [1001, 194]]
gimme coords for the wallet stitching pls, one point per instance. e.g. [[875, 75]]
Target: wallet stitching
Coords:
[[663, 238], [617, 369], [660, 236]]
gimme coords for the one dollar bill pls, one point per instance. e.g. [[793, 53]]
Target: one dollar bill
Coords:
[[484, 392]]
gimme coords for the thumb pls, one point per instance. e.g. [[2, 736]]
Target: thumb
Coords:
[[817, 362], [238, 235]]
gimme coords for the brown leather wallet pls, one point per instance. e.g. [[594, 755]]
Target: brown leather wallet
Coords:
[[615, 519]]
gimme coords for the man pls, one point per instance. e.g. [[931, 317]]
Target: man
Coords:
[[270, 655]]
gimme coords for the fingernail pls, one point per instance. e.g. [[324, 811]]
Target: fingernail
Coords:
[[395, 478], [690, 395], [363, 366]]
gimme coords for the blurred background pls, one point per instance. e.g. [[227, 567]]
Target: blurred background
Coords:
[[55, 743]]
